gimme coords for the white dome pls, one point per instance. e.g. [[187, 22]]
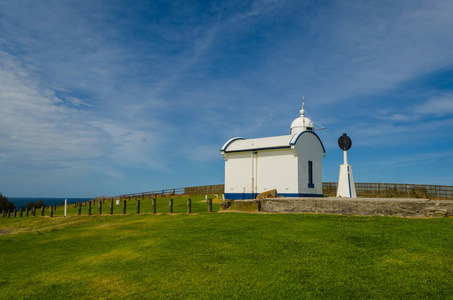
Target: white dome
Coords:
[[301, 124]]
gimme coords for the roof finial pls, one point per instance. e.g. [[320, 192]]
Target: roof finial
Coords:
[[302, 111]]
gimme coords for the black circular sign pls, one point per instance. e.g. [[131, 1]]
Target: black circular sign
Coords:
[[344, 142]]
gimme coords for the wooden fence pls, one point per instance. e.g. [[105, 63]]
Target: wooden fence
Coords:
[[394, 190], [329, 189], [205, 190], [89, 207], [440, 192], [188, 191]]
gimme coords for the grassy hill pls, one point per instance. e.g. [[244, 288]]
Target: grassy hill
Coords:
[[223, 255]]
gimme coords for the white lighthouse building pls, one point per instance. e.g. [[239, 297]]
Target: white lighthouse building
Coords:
[[291, 164]]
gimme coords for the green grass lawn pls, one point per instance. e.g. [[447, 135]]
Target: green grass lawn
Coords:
[[224, 255]]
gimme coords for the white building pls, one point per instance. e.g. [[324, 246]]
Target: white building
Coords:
[[292, 163]]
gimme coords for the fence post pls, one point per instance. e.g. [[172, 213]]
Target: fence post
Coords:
[[51, 211], [26, 211], [33, 211], [15, 213], [154, 205], [124, 206], [20, 212], [210, 205], [100, 207], [111, 207], [170, 205], [79, 209], [89, 208], [9, 213], [138, 206], [42, 210], [189, 206]]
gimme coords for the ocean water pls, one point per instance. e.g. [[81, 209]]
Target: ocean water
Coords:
[[22, 201]]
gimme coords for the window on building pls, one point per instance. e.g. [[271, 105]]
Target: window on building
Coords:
[[310, 174]]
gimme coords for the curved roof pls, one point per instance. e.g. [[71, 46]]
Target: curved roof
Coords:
[[276, 142], [229, 142], [296, 137]]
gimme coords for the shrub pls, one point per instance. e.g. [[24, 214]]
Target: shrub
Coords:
[[5, 204]]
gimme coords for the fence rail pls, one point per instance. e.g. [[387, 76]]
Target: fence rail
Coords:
[[394, 190], [188, 191], [440, 192], [205, 190], [329, 189]]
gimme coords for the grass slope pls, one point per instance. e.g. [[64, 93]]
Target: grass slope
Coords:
[[224, 255]]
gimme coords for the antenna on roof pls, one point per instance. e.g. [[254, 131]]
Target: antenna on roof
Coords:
[[302, 113], [318, 125]]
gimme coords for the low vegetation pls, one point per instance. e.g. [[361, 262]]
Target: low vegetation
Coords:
[[5, 204], [223, 255]]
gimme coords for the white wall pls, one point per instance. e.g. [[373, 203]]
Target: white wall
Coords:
[[271, 169], [308, 148], [277, 169], [238, 172]]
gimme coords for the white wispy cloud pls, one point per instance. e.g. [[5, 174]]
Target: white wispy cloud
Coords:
[[35, 126], [117, 86], [440, 105]]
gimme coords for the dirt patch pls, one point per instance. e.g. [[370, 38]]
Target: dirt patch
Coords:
[[106, 225], [5, 232]]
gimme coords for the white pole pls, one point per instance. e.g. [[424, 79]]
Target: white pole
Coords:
[[65, 206], [345, 155]]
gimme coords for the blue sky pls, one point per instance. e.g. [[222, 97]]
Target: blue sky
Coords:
[[112, 97]]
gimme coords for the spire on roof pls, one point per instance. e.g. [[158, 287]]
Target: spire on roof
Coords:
[[302, 111], [302, 123]]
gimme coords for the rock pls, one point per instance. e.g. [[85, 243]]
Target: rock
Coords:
[[225, 205], [437, 214], [267, 194]]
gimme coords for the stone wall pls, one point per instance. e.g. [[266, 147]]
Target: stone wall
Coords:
[[417, 208]]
